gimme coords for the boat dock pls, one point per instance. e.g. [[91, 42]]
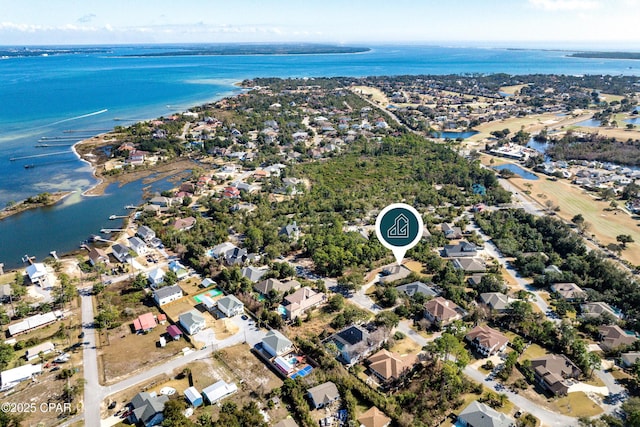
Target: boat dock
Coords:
[[112, 217], [111, 230]]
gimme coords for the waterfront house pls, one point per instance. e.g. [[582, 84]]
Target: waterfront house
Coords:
[[167, 294], [35, 351], [156, 277], [144, 323], [552, 371], [301, 301], [146, 409], [487, 341], [477, 414], [38, 274], [192, 321], [230, 306], [121, 252], [462, 249], [613, 337], [145, 233], [218, 391], [441, 311], [276, 344], [138, 246], [323, 395], [390, 366], [163, 202], [98, 256]]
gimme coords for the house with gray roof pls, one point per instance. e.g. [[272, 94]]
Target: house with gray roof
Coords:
[[629, 359], [496, 301], [276, 344], [254, 274], [230, 306], [323, 394], [291, 231], [192, 321], [147, 409], [462, 249], [477, 414], [410, 289], [167, 294], [470, 265], [145, 233], [354, 343]]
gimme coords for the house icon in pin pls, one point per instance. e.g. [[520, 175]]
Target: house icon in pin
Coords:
[[400, 228]]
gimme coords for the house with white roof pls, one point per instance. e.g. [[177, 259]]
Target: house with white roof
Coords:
[[12, 377], [218, 391], [38, 275], [156, 277]]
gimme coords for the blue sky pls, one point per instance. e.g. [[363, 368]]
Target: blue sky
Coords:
[[545, 23]]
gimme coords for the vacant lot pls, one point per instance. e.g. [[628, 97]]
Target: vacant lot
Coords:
[[141, 350]]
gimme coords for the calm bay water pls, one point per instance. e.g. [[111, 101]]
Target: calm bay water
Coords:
[[85, 93]]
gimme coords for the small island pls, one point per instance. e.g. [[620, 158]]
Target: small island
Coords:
[[606, 55], [39, 201]]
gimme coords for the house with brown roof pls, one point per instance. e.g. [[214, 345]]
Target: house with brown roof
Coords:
[[552, 371], [302, 300], [451, 232], [266, 286], [441, 311], [613, 336], [374, 417], [569, 291], [98, 256], [486, 341], [390, 366], [184, 224]]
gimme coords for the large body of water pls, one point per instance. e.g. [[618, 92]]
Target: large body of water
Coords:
[[86, 92]]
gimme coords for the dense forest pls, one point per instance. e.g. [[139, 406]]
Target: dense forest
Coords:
[[595, 147]]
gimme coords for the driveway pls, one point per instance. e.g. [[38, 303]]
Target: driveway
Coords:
[[545, 416]]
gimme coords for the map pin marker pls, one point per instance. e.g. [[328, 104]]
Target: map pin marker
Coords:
[[399, 227]]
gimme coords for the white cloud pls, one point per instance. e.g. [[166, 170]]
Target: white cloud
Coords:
[[565, 4], [86, 18]]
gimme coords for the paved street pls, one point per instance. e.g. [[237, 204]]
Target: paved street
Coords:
[[92, 399]]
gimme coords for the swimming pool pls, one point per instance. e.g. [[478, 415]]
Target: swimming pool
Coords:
[[210, 293]]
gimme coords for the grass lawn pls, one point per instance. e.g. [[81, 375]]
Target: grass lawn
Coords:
[[572, 200], [533, 352], [577, 404], [319, 322], [405, 346], [619, 374], [414, 266], [595, 381]]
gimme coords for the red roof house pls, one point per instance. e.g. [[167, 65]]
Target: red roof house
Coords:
[[144, 322]]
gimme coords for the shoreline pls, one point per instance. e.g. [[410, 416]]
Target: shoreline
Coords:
[[23, 206]]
